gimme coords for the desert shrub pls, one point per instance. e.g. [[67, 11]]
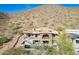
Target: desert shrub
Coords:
[[50, 51], [33, 26], [46, 22], [17, 51], [16, 29], [3, 40], [18, 23]]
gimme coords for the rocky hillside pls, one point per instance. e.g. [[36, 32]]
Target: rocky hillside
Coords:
[[4, 18], [52, 16]]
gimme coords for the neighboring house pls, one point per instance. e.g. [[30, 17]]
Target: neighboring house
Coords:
[[74, 34]]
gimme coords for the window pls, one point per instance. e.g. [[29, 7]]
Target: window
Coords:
[[77, 41], [36, 35], [54, 35], [45, 36], [74, 35], [35, 41], [46, 42], [27, 46]]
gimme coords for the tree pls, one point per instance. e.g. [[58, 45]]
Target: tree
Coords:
[[64, 43]]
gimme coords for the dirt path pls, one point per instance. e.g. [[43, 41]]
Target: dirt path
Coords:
[[10, 44]]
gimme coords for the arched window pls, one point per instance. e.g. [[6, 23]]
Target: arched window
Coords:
[[45, 36]]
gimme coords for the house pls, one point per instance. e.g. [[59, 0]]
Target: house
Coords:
[[39, 36]]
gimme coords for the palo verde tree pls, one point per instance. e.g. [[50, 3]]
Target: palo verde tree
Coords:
[[64, 43]]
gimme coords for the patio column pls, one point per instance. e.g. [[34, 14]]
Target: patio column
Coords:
[[41, 40], [50, 40]]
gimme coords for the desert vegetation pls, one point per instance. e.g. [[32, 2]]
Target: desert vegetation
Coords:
[[17, 51], [4, 38]]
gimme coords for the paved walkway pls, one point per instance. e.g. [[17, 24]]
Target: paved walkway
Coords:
[[20, 41]]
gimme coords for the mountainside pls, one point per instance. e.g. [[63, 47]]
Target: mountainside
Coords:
[[4, 18], [52, 16]]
